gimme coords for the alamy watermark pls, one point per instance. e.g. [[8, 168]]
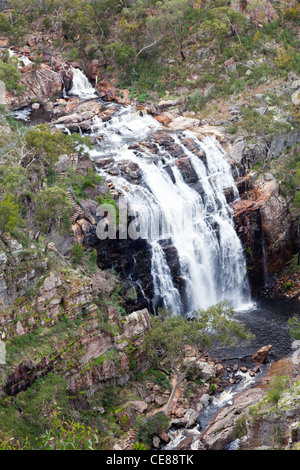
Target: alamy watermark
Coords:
[[2, 92], [2, 353], [124, 221]]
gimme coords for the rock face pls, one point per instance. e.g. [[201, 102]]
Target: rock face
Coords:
[[41, 85], [95, 354], [79, 116], [264, 226]]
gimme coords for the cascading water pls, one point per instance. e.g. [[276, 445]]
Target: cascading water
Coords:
[[23, 59], [196, 221], [81, 86]]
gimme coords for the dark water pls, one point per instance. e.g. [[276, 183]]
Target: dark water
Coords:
[[268, 322], [32, 117]]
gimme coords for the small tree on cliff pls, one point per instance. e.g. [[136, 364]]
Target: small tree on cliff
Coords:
[[169, 340]]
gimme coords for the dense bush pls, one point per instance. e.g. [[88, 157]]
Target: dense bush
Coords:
[[147, 429], [53, 208]]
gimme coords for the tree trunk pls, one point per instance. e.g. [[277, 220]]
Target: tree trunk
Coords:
[[171, 398], [182, 54]]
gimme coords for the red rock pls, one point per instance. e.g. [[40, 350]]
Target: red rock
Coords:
[[260, 355], [163, 119]]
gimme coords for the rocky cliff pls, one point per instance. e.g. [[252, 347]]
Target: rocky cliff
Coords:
[[52, 320]]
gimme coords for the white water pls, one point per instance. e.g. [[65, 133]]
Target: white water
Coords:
[[23, 114], [81, 86], [25, 61], [198, 224], [225, 399]]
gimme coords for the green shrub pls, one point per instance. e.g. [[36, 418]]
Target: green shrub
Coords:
[[5, 26], [77, 253], [9, 215], [146, 430], [53, 208], [280, 383], [240, 427], [10, 75]]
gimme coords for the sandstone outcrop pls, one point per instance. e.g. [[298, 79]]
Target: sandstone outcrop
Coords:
[[88, 356]]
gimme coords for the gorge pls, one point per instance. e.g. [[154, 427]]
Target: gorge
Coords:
[[168, 213]]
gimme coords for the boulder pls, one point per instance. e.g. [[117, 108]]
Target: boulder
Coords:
[[164, 436], [221, 431], [156, 442], [205, 399], [140, 406], [191, 416], [181, 123], [186, 443], [206, 370], [260, 355], [136, 323]]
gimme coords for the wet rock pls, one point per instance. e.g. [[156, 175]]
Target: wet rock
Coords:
[[221, 430], [164, 140], [229, 195], [188, 420], [187, 171], [131, 171], [205, 399], [191, 416], [164, 436], [95, 68], [186, 443], [156, 442], [260, 215], [261, 355]]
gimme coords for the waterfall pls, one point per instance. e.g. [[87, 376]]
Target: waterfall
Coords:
[[193, 221], [81, 86], [25, 61]]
